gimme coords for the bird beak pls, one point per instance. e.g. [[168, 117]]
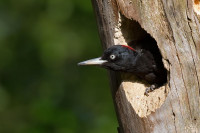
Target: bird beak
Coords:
[[96, 61]]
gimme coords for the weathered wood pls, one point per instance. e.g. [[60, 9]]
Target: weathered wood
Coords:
[[175, 25]]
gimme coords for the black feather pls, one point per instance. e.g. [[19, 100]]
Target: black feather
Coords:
[[141, 63]]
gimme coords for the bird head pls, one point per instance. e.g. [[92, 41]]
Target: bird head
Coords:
[[117, 57]]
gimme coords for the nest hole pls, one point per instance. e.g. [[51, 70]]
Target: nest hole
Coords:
[[135, 36]]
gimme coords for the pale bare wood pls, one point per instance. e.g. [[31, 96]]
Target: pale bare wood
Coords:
[[174, 24]]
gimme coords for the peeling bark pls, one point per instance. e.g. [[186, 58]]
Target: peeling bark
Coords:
[[175, 26]]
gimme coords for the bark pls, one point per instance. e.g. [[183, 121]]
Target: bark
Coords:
[[175, 25]]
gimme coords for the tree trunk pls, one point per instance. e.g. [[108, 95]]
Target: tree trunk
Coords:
[[175, 26]]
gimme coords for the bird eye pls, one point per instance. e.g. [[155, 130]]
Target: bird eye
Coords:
[[112, 56]]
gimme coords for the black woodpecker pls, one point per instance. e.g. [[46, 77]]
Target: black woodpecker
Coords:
[[141, 63]]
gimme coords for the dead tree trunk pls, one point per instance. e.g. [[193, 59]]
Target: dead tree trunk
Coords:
[[175, 26]]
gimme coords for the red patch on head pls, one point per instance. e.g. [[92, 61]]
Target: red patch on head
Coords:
[[129, 47]]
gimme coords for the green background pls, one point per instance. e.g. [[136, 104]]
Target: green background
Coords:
[[42, 90]]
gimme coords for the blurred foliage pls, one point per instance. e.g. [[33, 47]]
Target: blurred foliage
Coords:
[[42, 90]]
